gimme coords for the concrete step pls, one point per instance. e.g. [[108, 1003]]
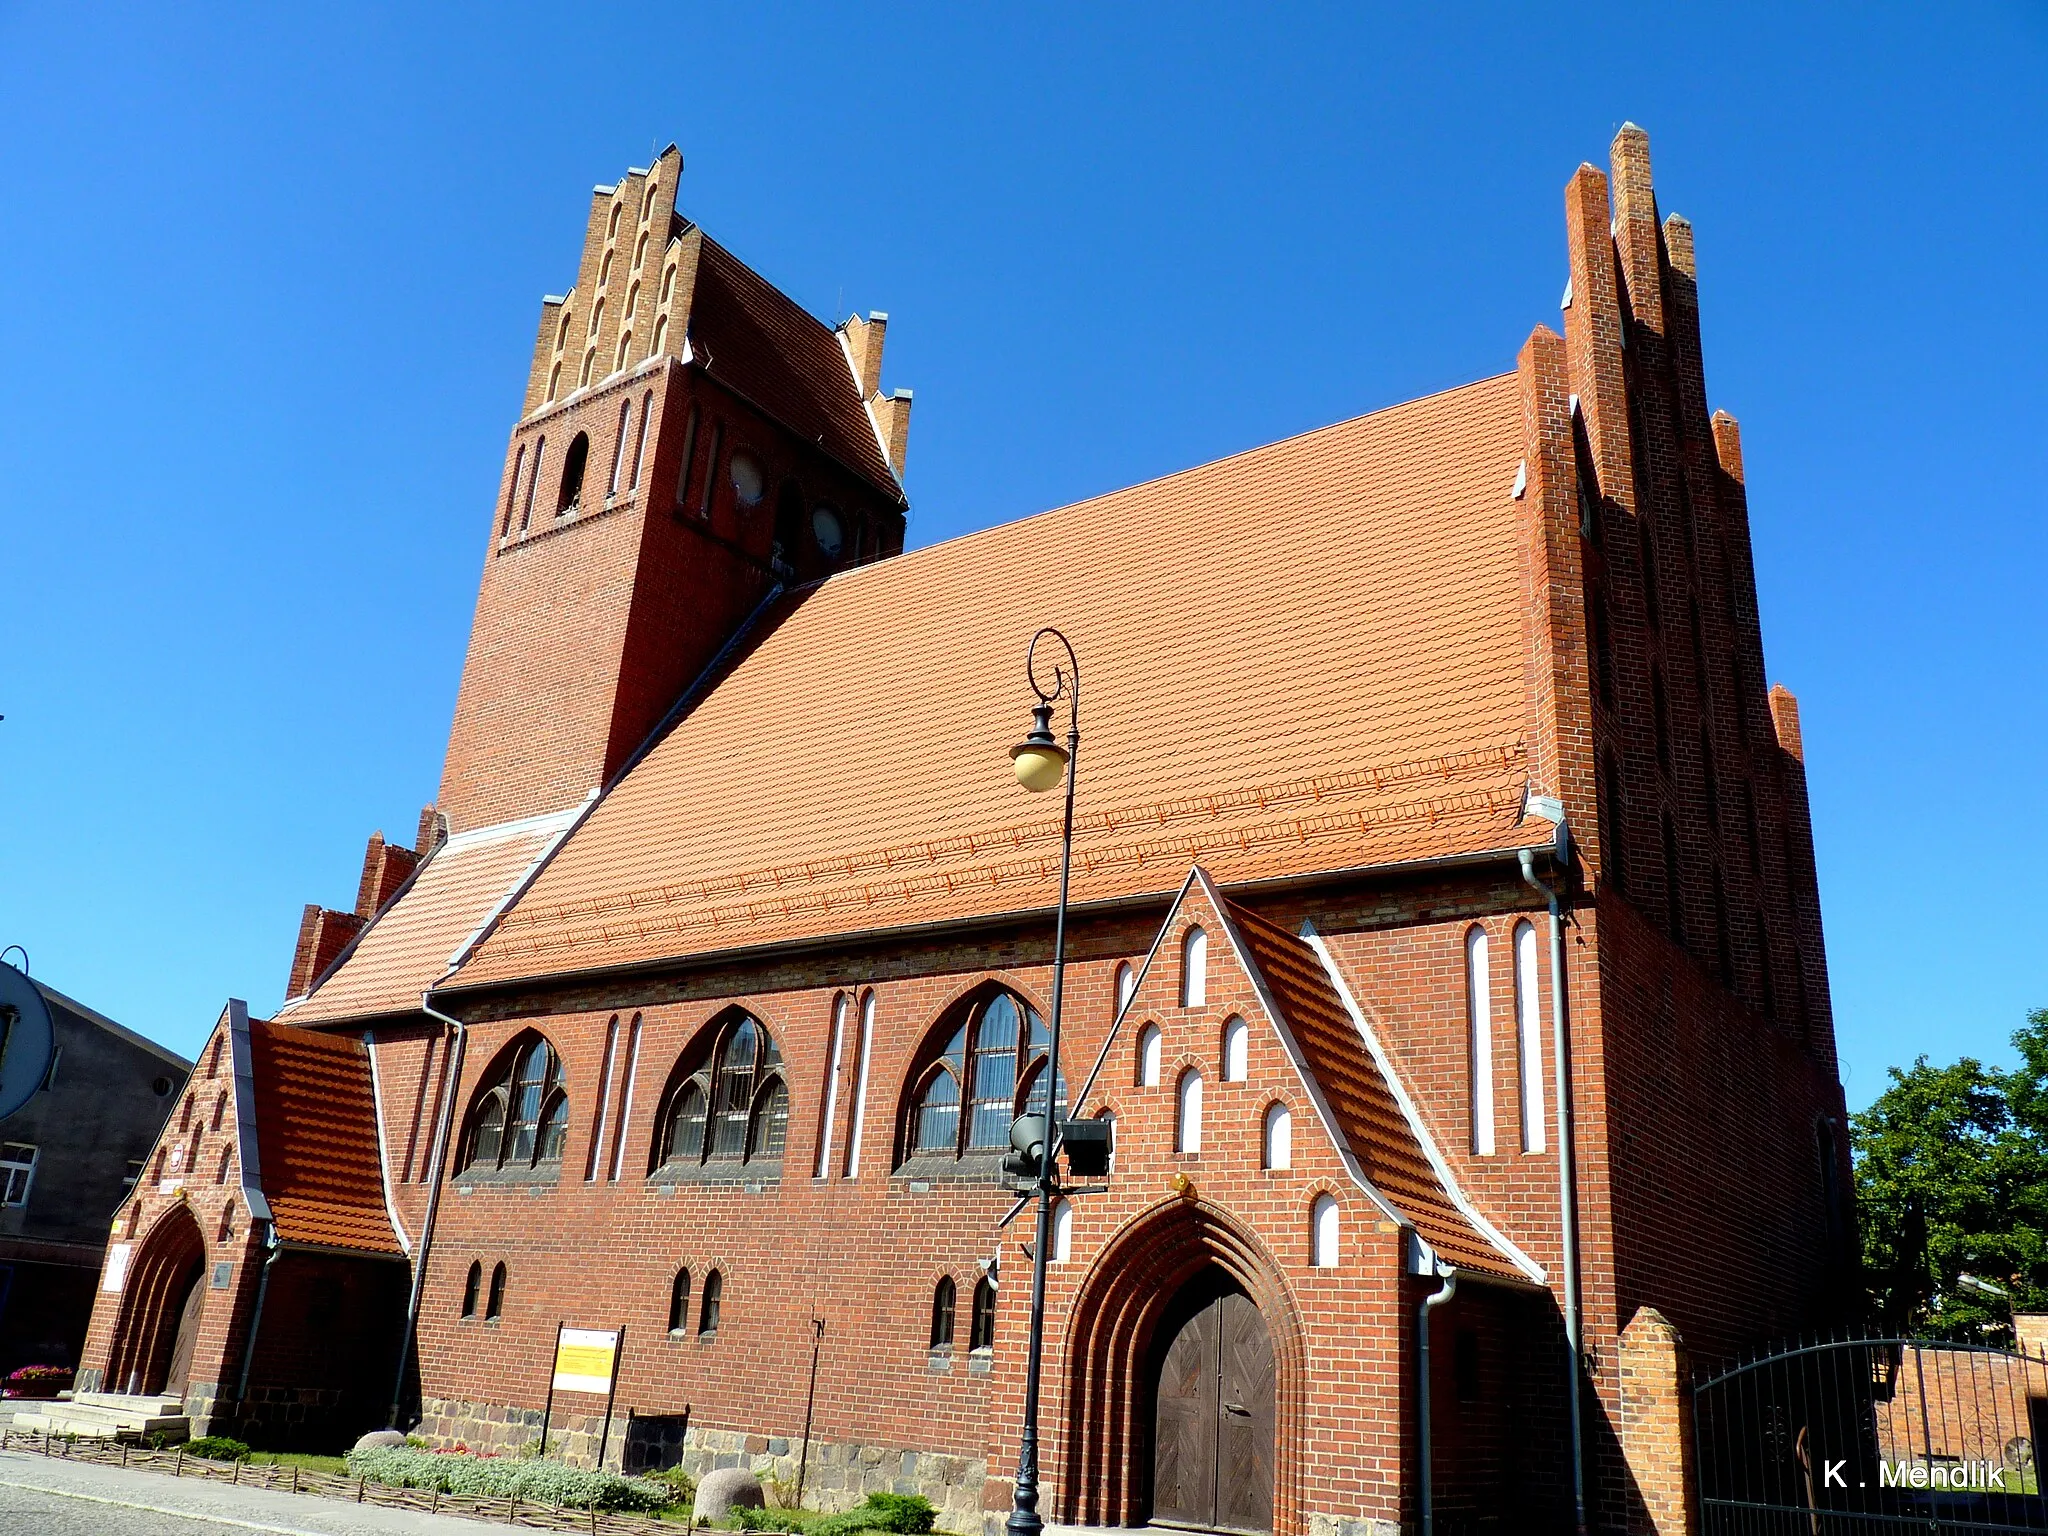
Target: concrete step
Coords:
[[99, 1423], [134, 1402]]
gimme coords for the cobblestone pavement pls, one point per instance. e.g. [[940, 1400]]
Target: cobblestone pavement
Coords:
[[53, 1497]]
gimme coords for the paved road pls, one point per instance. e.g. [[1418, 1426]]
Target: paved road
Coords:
[[52, 1497]]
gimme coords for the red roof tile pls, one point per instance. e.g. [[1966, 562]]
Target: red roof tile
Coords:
[[316, 1133]]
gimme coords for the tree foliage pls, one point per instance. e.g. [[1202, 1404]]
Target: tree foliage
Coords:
[[1952, 1179]]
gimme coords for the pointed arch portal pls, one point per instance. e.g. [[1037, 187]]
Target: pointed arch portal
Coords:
[[1184, 1320], [161, 1310]]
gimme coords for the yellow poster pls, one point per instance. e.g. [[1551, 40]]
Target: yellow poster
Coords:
[[584, 1360]]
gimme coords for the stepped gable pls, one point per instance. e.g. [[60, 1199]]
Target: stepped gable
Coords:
[[1305, 658], [316, 1130], [412, 943], [1374, 1126], [765, 347]]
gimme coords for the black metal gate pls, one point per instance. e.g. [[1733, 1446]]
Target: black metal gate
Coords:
[[1858, 1437]]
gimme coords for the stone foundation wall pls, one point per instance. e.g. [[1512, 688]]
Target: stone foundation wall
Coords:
[[838, 1476]]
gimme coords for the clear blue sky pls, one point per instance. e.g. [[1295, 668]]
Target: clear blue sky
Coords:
[[272, 279]]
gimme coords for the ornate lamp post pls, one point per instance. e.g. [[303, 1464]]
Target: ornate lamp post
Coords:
[[1040, 763]]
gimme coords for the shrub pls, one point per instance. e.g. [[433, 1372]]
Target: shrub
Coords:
[[682, 1486], [497, 1477], [217, 1448], [906, 1514]]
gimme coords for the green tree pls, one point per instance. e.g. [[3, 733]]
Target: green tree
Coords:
[[1952, 1178]]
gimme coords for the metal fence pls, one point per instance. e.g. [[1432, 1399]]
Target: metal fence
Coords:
[[1860, 1437]]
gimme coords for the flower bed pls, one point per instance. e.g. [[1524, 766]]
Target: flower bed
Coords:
[[542, 1482], [36, 1381]]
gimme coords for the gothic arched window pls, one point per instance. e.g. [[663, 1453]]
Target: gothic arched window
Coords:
[[986, 1075], [727, 1101], [981, 1328], [520, 1117]]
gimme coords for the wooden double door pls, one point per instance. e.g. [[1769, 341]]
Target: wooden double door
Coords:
[[1212, 1445]]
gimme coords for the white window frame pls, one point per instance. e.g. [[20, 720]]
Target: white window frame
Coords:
[[17, 1178], [1529, 1019], [1479, 1019]]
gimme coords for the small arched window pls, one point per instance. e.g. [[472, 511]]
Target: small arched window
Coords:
[[1194, 968], [1323, 1233], [619, 446], [573, 465], [640, 439], [554, 381], [1479, 1038], [982, 1080], [227, 1159], [596, 316], [495, 1307], [712, 1304], [604, 277], [521, 1116], [220, 1108], [213, 1056], [981, 1329], [589, 362], [647, 204], [1529, 1036], [1126, 984], [660, 335], [226, 1229], [511, 501], [727, 1101], [472, 1284], [640, 250], [613, 227], [619, 352], [1062, 1231], [185, 1115], [540, 455], [942, 1313], [1151, 1047], [679, 1303], [1237, 1050], [1187, 1135], [1279, 1137]]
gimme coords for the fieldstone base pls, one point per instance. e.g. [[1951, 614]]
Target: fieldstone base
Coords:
[[1350, 1525], [838, 1476]]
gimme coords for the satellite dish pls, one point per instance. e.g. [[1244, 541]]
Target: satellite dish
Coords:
[[27, 1039]]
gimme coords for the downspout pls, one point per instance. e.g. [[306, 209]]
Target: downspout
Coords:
[[272, 1242], [1567, 1181], [1430, 1303], [458, 1038]]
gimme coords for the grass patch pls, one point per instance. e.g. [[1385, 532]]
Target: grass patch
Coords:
[[305, 1461]]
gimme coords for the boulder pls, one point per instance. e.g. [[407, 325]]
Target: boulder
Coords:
[[722, 1490], [381, 1439]]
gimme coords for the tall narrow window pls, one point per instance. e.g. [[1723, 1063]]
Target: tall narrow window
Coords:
[[1151, 1047], [1660, 716], [512, 492], [1237, 1050], [828, 1112], [1724, 954], [1766, 968], [712, 1305], [1126, 984], [220, 1108], [573, 465], [471, 1286], [1188, 1117], [1194, 968], [1323, 1233], [1479, 1022], [227, 1160], [986, 1074], [1279, 1137], [1710, 782], [1674, 900], [981, 1331], [1613, 826], [1751, 846], [1648, 545], [1603, 646], [627, 1080], [640, 441], [1699, 647], [1062, 1231], [860, 1085], [540, 455], [943, 1295], [711, 468], [495, 1307], [1529, 1036], [619, 446], [689, 458], [679, 1302], [520, 1116], [594, 1161]]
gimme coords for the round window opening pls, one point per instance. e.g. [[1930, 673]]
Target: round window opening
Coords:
[[748, 481], [829, 531], [163, 1087]]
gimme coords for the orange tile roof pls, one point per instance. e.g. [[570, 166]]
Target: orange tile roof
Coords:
[[316, 1135], [1368, 1115], [752, 337], [1304, 658], [412, 941]]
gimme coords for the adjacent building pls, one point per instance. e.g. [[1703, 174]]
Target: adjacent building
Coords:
[[1446, 949]]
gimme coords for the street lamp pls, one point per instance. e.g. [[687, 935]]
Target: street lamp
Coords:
[[1040, 764]]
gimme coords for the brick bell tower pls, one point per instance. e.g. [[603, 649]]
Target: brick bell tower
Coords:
[[691, 439]]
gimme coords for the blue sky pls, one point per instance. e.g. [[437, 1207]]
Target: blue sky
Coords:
[[272, 277]]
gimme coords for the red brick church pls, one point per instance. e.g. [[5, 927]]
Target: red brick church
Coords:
[[1413, 748]]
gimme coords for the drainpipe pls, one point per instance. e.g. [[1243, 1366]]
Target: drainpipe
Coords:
[[1430, 1303], [458, 1037], [1567, 1175], [275, 1246]]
